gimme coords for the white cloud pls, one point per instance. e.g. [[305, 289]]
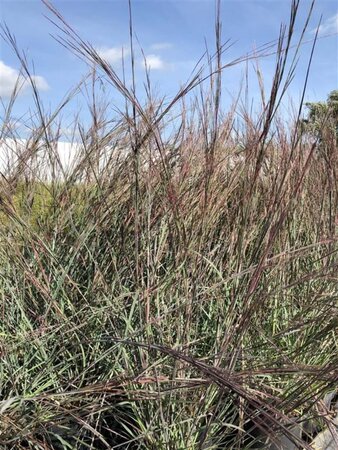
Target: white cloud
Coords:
[[113, 55], [161, 46], [153, 62], [329, 26], [40, 83], [9, 77]]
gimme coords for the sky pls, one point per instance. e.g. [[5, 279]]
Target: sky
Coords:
[[170, 37]]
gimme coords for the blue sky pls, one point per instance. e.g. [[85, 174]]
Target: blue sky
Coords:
[[172, 34]]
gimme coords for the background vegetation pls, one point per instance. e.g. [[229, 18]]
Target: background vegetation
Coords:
[[176, 288]]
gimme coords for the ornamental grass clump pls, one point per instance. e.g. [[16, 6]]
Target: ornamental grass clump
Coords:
[[174, 287]]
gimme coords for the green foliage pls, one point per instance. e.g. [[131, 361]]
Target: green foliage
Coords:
[[38, 204], [323, 117]]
